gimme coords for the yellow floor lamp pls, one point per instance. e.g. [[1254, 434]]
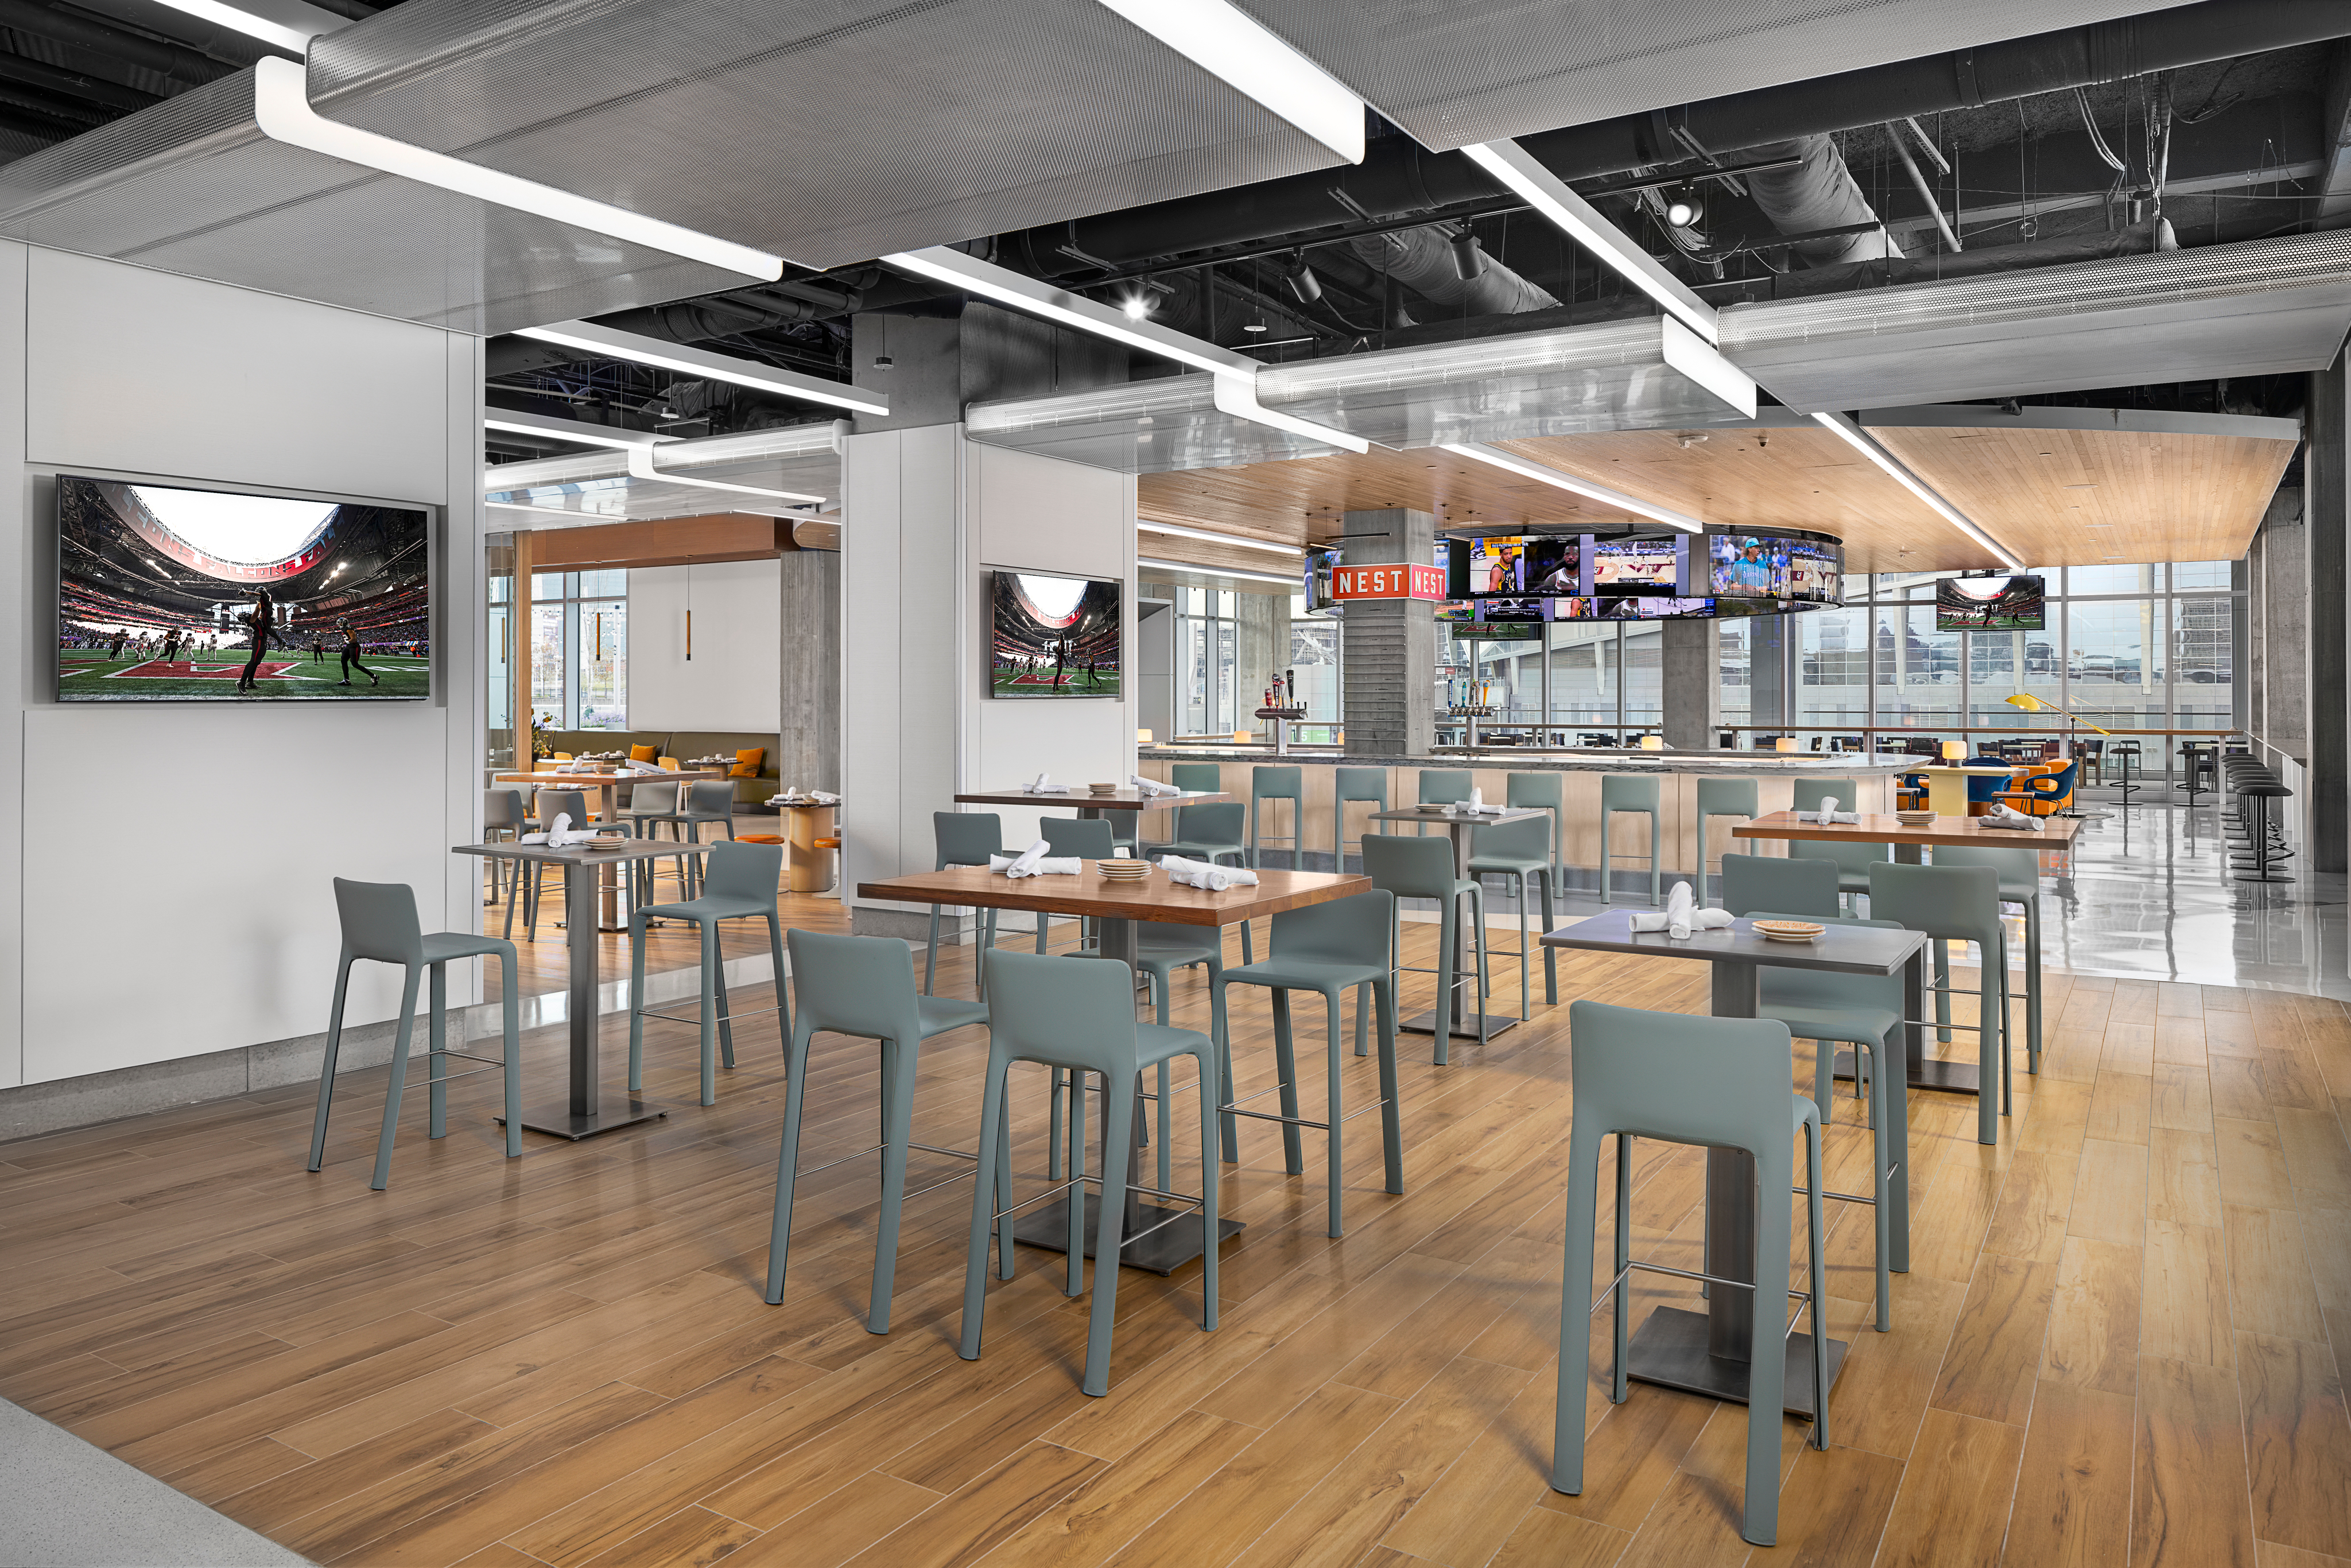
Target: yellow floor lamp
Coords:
[[2031, 703]]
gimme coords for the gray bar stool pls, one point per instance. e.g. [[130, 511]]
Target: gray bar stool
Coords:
[[1809, 794], [1423, 868], [1721, 797], [708, 801], [864, 987], [1637, 794], [1211, 832], [1086, 838], [502, 812], [1853, 864], [1353, 784], [1442, 787], [1521, 849], [550, 804], [2020, 883], [1543, 792], [968, 839], [1202, 778], [1320, 948], [380, 925], [1806, 889], [653, 802], [1959, 904], [1278, 784], [1716, 1082], [1080, 1017], [739, 883]]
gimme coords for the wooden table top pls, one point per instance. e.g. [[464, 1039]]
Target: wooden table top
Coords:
[[1839, 949], [1153, 897], [781, 804], [1886, 829], [629, 850], [1079, 795]]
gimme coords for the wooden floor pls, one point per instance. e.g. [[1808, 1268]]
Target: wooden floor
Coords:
[[2120, 1344]]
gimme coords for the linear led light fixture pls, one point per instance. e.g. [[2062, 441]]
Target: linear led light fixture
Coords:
[[1552, 476], [281, 108], [1545, 191], [1250, 57], [640, 466], [1213, 570], [288, 24], [526, 507], [1236, 388], [587, 435], [1144, 525], [1850, 431], [589, 338]]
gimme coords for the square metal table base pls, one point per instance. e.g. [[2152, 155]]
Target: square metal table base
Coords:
[[560, 1120], [1425, 1023], [1953, 1077], [1669, 1349], [1163, 1251]]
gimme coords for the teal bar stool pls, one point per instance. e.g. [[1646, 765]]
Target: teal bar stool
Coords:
[[964, 838], [1631, 794], [1808, 888], [1160, 949], [864, 987], [1442, 787], [1423, 868], [1212, 832], [1197, 777], [1268, 784], [1959, 904], [1321, 948], [2020, 883], [1544, 793], [1853, 864], [1351, 785], [1722, 1082], [1810, 794], [380, 926], [503, 813], [1080, 1015], [1087, 838], [1721, 797], [1521, 849], [739, 883], [1863, 1011], [550, 804]]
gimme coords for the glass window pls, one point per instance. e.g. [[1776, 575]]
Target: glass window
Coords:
[[1832, 669], [1735, 648], [2113, 660], [1584, 668], [603, 662], [2191, 574], [2091, 580], [2203, 662], [1206, 641], [1643, 649], [1917, 672], [1314, 663]]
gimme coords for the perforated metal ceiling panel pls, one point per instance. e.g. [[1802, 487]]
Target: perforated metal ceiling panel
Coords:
[[825, 131], [1457, 72], [192, 186], [2254, 309]]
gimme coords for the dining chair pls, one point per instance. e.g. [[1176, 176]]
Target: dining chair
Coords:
[[1959, 904], [379, 927], [964, 838], [1352, 785], [1721, 797], [1423, 868], [739, 883]]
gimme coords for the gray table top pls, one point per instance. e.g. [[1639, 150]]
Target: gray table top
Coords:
[[1458, 819], [1840, 949], [633, 850]]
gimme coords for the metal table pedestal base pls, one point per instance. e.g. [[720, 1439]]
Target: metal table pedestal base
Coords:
[[560, 1120], [1163, 1251], [1464, 1027], [1669, 1349]]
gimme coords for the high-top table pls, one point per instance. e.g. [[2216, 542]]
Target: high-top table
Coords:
[[1946, 784], [1708, 1353], [605, 808], [583, 1115], [1115, 906], [1461, 827]]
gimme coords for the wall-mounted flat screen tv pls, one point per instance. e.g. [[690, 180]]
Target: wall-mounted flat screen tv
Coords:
[[1989, 604], [1055, 636], [166, 593], [1636, 566]]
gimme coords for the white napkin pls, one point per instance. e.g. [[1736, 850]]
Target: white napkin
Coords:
[[635, 767], [1203, 875], [1826, 815], [1045, 786], [824, 796], [1682, 916], [1020, 865], [2007, 816], [562, 836], [1151, 787], [533, 839]]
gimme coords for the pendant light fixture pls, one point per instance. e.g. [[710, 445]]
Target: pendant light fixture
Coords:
[[689, 610]]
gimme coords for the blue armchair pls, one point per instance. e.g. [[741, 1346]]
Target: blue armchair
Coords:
[[2043, 794]]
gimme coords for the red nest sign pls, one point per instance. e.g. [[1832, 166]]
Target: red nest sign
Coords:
[[1398, 581]]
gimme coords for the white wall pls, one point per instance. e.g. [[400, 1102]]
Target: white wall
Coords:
[[734, 678], [174, 860]]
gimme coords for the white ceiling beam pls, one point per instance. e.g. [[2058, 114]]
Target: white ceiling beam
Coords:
[[685, 360], [1251, 58], [1530, 470], [288, 24], [1844, 428]]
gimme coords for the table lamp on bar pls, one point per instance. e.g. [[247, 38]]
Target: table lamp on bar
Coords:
[[1955, 750], [1653, 743], [1786, 742], [1142, 737]]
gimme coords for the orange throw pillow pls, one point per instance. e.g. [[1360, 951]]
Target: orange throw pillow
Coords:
[[746, 763], [644, 753]]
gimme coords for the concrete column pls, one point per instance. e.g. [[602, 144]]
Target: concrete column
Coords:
[[808, 720], [2326, 478], [1388, 647], [1262, 651], [1692, 685]]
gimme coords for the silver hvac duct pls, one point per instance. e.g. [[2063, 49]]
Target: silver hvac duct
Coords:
[[1422, 260], [1817, 192]]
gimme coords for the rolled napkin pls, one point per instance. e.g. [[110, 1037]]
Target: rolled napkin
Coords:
[[1045, 866], [1026, 863], [2007, 816], [1825, 816], [636, 767], [1151, 787], [1232, 875], [1045, 786], [533, 839], [824, 796], [562, 836], [1682, 916]]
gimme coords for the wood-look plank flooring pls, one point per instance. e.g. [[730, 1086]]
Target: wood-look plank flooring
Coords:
[[2121, 1342]]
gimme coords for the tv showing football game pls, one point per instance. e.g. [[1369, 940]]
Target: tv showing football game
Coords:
[[172, 594], [1989, 604], [1055, 636]]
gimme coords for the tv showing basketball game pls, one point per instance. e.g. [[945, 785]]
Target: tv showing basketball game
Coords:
[[1989, 604], [167, 594], [1055, 636], [1636, 566]]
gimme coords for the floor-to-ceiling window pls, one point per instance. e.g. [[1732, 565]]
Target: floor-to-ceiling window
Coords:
[[1207, 644], [579, 649], [1314, 663]]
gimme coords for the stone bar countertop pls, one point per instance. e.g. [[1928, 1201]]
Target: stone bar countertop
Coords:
[[1572, 759]]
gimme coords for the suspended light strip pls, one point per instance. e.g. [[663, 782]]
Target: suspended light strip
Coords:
[[1552, 476], [1236, 391], [524, 507], [569, 430], [281, 108], [1229, 43], [640, 466], [1545, 191], [1217, 571], [1145, 525], [589, 338], [1851, 432], [288, 24]]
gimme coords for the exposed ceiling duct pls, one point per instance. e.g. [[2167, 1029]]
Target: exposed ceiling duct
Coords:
[[1424, 260], [1813, 193]]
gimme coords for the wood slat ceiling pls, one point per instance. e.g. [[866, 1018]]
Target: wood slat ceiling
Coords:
[[2083, 497]]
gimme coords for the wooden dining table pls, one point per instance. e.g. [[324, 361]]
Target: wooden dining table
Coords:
[[1116, 906]]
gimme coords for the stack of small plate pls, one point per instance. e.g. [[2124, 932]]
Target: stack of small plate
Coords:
[[1914, 819], [1788, 930], [1124, 869]]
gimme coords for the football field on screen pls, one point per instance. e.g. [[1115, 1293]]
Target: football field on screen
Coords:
[[1007, 682], [289, 672]]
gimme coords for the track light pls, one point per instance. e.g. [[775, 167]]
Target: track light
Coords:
[[1684, 208], [1136, 306], [1256, 323], [1304, 285], [1468, 261]]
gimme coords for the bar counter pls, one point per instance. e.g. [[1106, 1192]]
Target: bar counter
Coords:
[[1678, 773]]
